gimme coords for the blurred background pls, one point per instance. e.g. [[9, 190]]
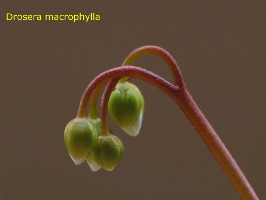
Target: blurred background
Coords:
[[45, 67]]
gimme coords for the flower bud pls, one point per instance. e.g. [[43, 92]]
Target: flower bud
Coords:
[[90, 160], [80, 138], [109, 151], [126, 106]]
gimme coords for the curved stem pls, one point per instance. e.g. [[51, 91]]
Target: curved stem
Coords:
[[94, 101], [199, 121], [165, 55], [104, 104], [119, 72], [182, 97]]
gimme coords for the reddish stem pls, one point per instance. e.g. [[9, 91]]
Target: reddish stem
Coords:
[[165, 55], [119, 72], [216, 146], [104, 104], [94, 101], [182, 97]]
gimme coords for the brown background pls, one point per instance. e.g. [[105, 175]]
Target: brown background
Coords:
[[45, 67]]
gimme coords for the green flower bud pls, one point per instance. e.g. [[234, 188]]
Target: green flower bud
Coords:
[[80, 138], [109, 151], [90, 160], [126, 106]]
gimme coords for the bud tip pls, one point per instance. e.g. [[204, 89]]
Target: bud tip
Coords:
[[78, 161]]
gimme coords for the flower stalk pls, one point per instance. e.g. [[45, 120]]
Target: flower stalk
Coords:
[[165, 55], [94, 100], [125, 71], [179, 93], [104, 104]]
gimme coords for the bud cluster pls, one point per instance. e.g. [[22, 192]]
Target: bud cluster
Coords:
[[83, 136]]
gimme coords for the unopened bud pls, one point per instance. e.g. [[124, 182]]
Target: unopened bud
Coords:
[[109, 151], [126, 106], [80, 138]]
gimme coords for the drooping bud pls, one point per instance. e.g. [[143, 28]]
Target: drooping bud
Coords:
[[126, 106], [109, 151], [80, 138], [90, 160]]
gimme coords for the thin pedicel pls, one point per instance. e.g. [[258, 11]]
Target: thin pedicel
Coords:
[[179, 93]]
